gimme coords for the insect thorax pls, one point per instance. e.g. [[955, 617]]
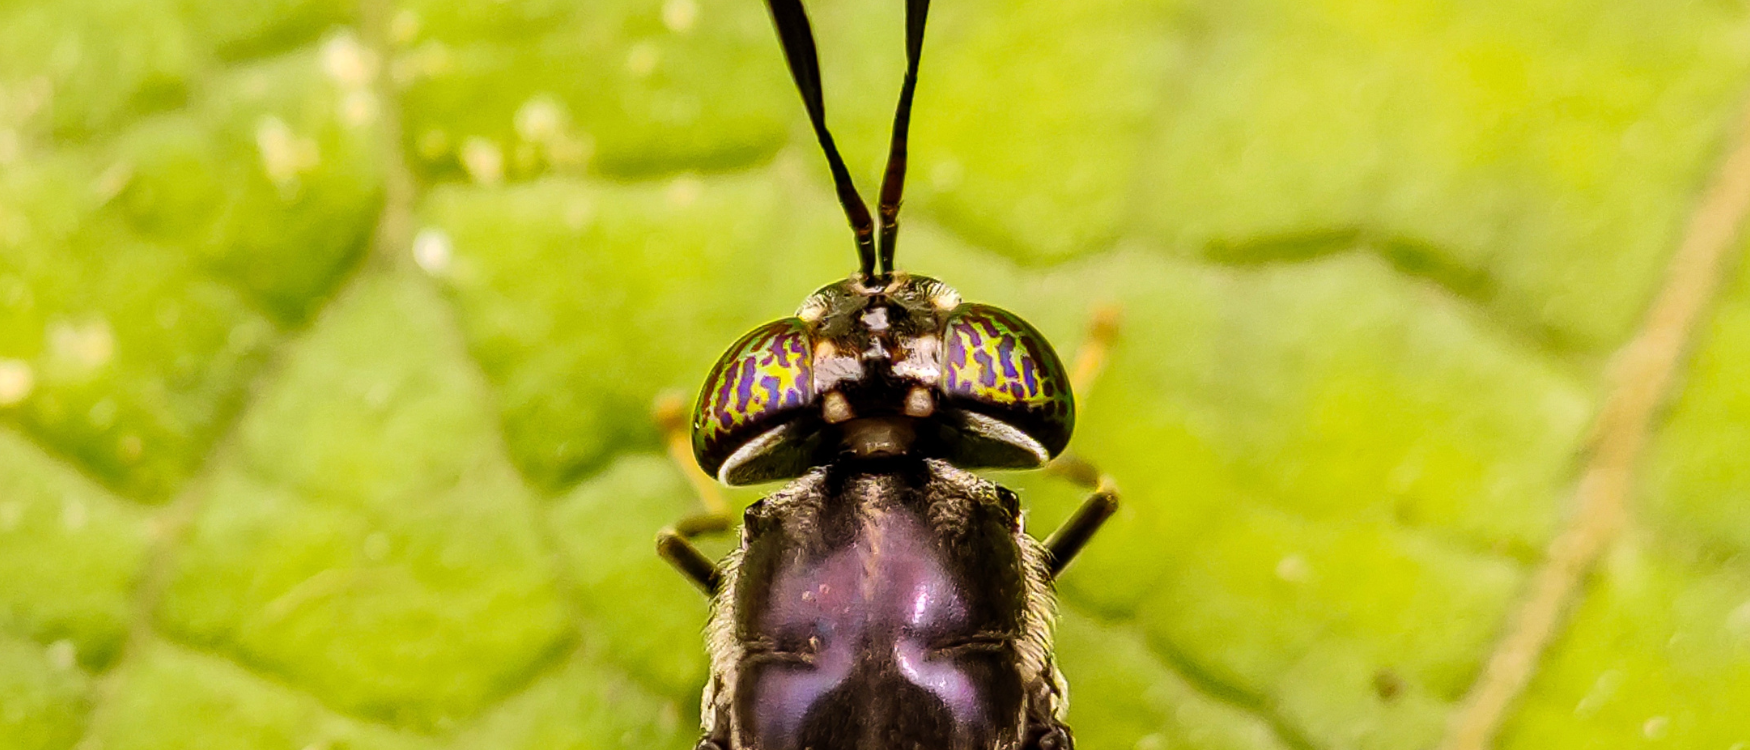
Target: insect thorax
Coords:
[[883, 604]]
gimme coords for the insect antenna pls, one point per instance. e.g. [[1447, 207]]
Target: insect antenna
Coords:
[[797, 37], [893, 183]]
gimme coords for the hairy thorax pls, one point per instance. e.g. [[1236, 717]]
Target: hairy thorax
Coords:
[[884, 612]]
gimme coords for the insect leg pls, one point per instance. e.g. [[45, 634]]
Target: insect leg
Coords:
[[688, 560], [1074, 534], [1090, 361], [674, 543], [1090, 357]]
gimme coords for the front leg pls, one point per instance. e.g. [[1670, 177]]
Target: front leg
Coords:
[[1090, 360], [689, 561], [1069, 539], [674, 543]]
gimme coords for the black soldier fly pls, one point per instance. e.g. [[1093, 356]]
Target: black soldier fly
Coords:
[[886, 597]]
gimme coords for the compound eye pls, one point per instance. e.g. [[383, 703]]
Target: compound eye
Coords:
[[1006, 391], [746, 424]]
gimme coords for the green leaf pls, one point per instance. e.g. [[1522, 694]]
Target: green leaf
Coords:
[[330, 335], [44, 694], [71, 553], [170, 697], [1660, 652], [364, 536]]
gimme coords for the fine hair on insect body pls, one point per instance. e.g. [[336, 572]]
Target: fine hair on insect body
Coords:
[[886, 597]]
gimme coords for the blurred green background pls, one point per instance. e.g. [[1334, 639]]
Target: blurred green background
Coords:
[[329, 334]]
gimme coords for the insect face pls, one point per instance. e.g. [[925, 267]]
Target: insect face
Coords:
[[886, 366]]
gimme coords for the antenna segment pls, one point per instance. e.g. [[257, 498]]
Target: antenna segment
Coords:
[[798, 40], [893, 184], [797, 37]]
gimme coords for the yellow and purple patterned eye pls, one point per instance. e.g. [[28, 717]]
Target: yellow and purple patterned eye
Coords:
[[763, 384], [1013, 398]]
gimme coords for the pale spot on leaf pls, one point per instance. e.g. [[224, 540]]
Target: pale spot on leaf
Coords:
[[349, 63], [404, 28], [377, 547], [642, 59], [1656, 728], [483, 160], [1293, 569], [285, 155], [9, 146], [16, 381], [431, 250], [112, 181], [683, 191], [358, 108], [74, 515], [434, 144], [579, 212], [130, 447], [82, 347], [62, 655], [946, 174], [540, 119], [679, 15]]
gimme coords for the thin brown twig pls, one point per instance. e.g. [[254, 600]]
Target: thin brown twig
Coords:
[[1640, 375]]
